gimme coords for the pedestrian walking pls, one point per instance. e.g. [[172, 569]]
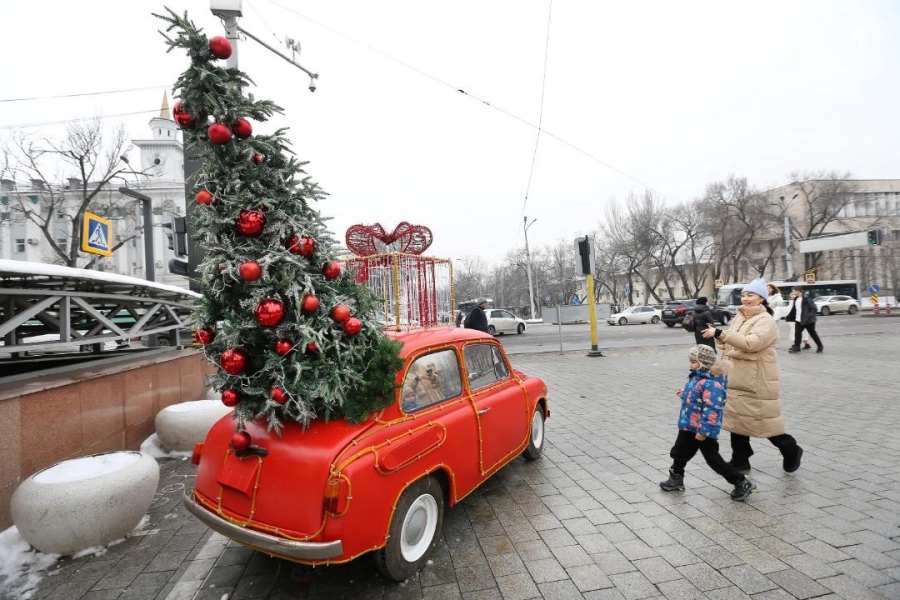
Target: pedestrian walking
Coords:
[[477, 319], [754, 406], [702, 401], [702, 319], [803, 315]]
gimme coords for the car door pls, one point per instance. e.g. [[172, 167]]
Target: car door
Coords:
[[645, 314], [499, 403], [509, 321]]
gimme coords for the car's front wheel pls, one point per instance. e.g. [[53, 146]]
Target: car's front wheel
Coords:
[[826, 311], [852, 310], [415, 528], [623, 321], [492, 330], [725, 318], [521, 328], [654, 320], [670, 324], [536, 437]]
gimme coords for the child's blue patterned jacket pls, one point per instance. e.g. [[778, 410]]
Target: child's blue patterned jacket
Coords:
[[702, 402]]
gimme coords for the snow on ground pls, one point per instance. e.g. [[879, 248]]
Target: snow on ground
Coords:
[[21, 566], [154, 448]]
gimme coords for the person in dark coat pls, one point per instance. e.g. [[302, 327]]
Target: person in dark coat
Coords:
[[702, 320], [803, 316], [477, 319]]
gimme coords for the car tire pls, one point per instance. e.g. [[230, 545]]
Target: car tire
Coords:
[[725, 318], [852, 310], [414, 531], [492, 330], [826, 311], [623, 321], [670, 324], [520, 329], [536, 436], [654, 320]]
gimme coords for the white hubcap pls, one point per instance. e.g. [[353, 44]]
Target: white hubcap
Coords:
[[537, 430], [418, 527]]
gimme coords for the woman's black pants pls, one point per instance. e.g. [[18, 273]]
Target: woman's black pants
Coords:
[[741, 450]]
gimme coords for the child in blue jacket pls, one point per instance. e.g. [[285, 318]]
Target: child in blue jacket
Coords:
[[702, 403]]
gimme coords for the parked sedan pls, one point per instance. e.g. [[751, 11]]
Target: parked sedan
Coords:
[[635, 314], [825, 305], [503, 321], [334, 491]]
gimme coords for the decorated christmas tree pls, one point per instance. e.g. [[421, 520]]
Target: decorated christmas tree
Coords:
[[292, 335]]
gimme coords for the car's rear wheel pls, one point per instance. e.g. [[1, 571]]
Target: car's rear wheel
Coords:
[[536, 437], [725, 318], [623, 321], [654, 320], [826, 311], [415, 528], [492, 330], [852, 310], [670, 324], [521, 328]]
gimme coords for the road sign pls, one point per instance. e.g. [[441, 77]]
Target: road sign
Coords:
[[627, 289], [809, 277], [719, 283], [874, 289], [96, 235]]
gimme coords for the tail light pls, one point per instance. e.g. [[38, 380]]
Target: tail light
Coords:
[[332, 495], [195, 455]]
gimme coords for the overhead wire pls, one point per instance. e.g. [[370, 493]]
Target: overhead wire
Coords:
[[78, 95], [537, 138], [101, 117], [436, 79]]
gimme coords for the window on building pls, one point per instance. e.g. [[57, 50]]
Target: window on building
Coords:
[[33, 199], [4, 216], [63, 244], [4, 200], [20, 245]]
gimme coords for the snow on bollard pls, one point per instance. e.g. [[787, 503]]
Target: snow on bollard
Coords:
[[181, 426], [84, 502]]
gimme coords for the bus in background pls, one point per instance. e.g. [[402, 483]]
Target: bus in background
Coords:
[[729, 296]]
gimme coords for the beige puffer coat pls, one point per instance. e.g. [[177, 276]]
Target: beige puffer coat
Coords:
[[752, 407]]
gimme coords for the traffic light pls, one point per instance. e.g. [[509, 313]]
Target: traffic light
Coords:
[[178, 242], [874, 237], [584, 262]]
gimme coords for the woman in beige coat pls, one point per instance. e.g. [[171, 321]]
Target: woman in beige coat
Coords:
[[753, 407]]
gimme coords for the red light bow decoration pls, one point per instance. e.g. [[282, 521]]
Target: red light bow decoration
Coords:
[[366, 240]]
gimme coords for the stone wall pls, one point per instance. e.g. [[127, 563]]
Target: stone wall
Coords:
[[75, 411]]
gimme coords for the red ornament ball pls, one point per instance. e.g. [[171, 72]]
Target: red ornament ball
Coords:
[[312, 347], [352, 326], [258, 158], [181, 116], [218, 133], [250, 270], [220, 47], [230, 397], [269, 312], [206, 335], [331, 270], [242, 129], [279, 395], [234, 361], [250, 222], [241, 441], [283, 347], [204, 197], [304, 246], [340, 313], [309, 303]]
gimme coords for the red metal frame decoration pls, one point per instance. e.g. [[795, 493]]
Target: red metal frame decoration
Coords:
[[366, 240]]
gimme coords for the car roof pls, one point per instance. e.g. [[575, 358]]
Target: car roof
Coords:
[[422, 338]]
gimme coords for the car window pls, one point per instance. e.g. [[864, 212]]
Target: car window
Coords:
[[484, 365], [430, 379], [507, 315]]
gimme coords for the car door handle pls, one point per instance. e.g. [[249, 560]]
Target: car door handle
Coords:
[[484, 410]]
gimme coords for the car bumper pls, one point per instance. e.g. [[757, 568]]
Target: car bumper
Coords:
[[264, 542]]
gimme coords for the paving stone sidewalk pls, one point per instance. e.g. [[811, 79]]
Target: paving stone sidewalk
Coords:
[[588, 520]]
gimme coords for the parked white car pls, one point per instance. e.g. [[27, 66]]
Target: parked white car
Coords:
[[503, 321], [826, 305], [635, 314]]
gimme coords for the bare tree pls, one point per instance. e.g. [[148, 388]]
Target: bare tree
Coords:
[[470, 278], [824, 195], [56, 203]]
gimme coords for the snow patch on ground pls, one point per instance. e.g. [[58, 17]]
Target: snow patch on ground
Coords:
[[154, 448], [21, 566]]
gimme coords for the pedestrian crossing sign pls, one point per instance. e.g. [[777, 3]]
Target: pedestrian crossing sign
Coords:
[[96, 234]]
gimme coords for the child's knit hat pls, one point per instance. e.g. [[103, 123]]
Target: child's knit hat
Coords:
[[704, 355]]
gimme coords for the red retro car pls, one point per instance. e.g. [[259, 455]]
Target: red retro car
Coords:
[[335, 491]]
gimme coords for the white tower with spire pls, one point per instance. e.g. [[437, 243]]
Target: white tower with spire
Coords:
[[162, 157]]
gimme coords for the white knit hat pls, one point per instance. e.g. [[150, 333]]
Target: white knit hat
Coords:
[[758, 287], [704, 355]]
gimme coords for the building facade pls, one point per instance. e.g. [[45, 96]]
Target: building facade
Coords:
[[162, 179]]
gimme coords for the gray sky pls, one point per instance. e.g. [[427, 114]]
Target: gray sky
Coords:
[[671, 95]]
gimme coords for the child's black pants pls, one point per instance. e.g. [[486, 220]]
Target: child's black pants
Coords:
[[686, 446]]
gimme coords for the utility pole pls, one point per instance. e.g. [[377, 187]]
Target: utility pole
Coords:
[[788, 247], [526, 225], [149, 269]]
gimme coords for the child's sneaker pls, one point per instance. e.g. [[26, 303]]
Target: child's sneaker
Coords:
[[675, 482], [742, 489]]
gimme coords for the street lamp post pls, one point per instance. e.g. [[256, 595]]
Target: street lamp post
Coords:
[[149, 272], [532, 307], [788, 248]]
